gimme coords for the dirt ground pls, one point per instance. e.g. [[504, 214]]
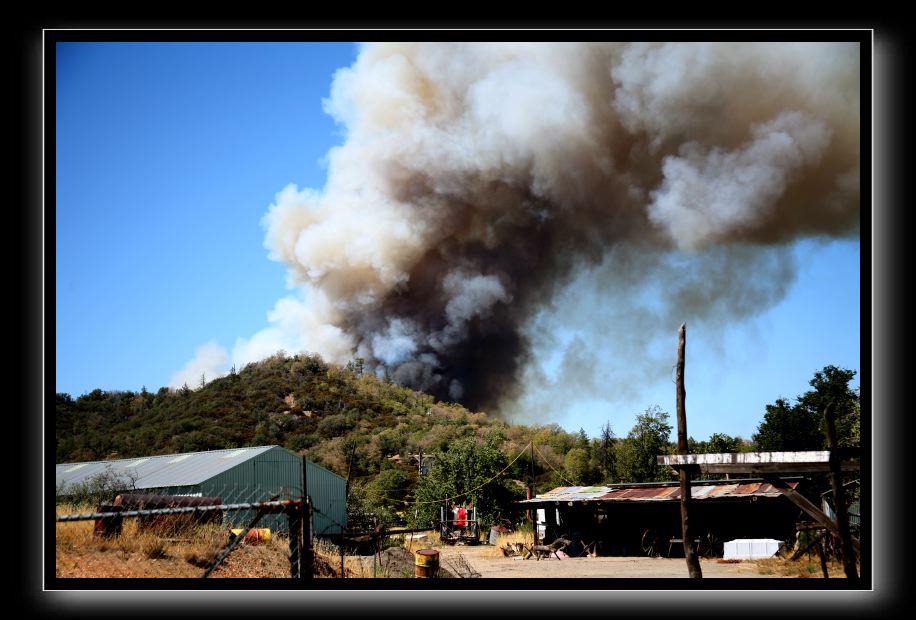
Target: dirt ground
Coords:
[[477, 561], [81, 555]]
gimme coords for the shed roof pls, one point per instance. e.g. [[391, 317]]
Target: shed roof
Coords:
[[167, 470], [656, 492]]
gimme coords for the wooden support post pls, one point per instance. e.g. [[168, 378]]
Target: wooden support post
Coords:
[[805, 504], [823, 555], [839, 498], [294, 520], [693, 560], [531, 513]]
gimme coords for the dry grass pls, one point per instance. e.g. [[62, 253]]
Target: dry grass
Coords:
[[176, 547], [804, 567]]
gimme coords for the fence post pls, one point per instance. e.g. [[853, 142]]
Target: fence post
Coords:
[[309, 568], [294, 517]]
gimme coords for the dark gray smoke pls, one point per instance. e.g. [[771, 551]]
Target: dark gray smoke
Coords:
[[477, 181]]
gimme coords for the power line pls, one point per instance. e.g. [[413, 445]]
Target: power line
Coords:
[[459, 495]]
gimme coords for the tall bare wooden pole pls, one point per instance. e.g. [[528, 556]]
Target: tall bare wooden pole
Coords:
[[534, 525], [839, 497], [693, 560]]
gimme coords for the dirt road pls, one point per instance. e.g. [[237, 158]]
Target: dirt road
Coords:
[[605, 567], [482, 560]]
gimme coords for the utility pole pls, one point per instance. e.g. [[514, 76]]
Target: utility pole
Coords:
[[693, 561]]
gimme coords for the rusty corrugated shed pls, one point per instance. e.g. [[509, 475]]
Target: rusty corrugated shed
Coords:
[[702, 490]]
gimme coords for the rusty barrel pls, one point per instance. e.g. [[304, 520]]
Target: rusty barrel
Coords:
[[108, 526], [427, 563]]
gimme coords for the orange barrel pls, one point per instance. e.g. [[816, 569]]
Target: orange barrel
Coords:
[[255, 534], [427, 563]]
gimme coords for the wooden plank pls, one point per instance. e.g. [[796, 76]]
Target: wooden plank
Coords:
[[769, 468], [801, 461]]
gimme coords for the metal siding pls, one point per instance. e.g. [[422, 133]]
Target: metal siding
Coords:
[[329, 499], [274, 473], [236, 476]]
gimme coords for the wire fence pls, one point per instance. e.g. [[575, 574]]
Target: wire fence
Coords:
[[275, 526], [138, 533], [275, 531]]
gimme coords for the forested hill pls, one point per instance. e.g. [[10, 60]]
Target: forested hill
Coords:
[[299, 402], [359, 425]]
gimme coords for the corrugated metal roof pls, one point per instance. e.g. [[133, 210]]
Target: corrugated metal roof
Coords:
[[703, 490], [169, 470]]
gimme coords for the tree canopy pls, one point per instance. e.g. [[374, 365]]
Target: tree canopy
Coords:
[[637, 454], [469, 471], [800, 426]]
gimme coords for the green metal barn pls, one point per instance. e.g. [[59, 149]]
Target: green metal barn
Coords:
[[235, 476]]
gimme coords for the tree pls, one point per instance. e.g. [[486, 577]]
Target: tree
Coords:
[[467, 471], [578, 466], [606, 451], [356, 366], [390, 486], [649, 438], [101, 488], [718, 443], [788, 428], [798, 427], [831, 385]]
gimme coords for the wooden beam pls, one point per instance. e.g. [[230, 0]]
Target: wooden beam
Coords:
[[738, 462], [839, 497], [805, 504], [693, 559], [767, 468]]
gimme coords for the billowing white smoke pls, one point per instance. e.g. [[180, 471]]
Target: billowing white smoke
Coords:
[[477, 181], [209, 362], [709, 194]]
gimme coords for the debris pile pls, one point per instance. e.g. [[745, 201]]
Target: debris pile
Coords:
[[399, 562], [460, 567]]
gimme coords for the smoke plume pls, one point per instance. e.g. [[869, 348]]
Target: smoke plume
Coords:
[[478, 183]]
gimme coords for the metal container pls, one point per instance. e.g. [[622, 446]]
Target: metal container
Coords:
[[107, 527], [254, 535], [427, 563]]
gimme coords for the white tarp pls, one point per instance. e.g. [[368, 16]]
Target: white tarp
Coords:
[[751, 548]]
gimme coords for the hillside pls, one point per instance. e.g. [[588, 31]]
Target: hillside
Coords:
[[299, 402]]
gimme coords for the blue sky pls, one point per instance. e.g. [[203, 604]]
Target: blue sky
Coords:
[[168, 156]]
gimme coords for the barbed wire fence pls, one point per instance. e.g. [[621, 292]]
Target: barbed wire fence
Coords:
[[247, 513], [178, 519]]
